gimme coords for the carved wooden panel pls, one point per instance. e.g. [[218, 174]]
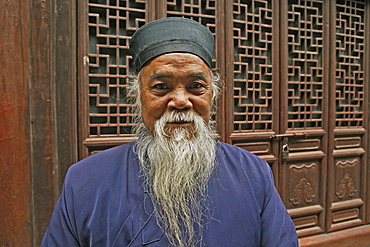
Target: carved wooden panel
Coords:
[[347, 203], [304, 179], [347, 181], [304, 200]]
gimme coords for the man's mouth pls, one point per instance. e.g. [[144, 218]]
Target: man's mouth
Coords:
[[178, 123]]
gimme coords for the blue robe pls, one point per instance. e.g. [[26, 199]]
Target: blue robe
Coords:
[[104, 203]]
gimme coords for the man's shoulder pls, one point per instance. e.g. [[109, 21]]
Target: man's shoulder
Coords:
[[236, 152], [108, 154], [241, 160], [105, 162]]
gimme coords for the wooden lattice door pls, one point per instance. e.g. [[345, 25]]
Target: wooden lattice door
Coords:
[[348, 125], [279, 99], [323, 122]]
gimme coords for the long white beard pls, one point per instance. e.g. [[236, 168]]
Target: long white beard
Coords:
[[177, 164]]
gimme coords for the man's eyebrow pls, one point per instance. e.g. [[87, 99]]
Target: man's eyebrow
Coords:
[[159, 76], [199, 75]]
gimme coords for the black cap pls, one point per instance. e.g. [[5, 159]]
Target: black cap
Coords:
[[169, 35]]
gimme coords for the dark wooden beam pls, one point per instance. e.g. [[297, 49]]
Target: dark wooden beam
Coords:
[[53, 111]]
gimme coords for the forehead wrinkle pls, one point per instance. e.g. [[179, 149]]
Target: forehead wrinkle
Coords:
[[156, 76]]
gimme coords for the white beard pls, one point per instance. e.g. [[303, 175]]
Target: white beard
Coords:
[[177, 165]]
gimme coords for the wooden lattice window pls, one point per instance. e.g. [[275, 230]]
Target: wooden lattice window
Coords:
[[111, 24], [305, 68], [252, 37], [350, 44]]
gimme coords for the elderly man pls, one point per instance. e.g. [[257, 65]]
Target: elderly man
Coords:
[[176, 185]]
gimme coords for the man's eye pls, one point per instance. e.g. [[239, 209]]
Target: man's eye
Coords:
[[160, 86], [197, 85]]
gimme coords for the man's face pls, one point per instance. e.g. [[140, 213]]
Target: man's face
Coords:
[[175, 82]]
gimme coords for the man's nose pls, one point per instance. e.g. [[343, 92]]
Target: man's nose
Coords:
[[180, 100]]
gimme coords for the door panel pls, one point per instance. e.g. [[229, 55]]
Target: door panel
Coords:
[[348, 145], [303, 177], [304, 110]]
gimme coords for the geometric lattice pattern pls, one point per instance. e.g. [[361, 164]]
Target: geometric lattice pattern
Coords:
[[252, 35], [350, 42], [305, 71], [111, 24], [201, 11]]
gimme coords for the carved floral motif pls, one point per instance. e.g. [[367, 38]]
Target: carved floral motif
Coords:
[[303, 191], [346, 187]]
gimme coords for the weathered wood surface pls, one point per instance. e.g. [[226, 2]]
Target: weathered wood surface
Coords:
[[15, 169]]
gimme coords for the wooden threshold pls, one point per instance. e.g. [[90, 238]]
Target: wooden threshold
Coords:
[[354, 237]]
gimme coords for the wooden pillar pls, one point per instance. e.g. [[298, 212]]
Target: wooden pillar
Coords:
[[37, 113], [15, 169]]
